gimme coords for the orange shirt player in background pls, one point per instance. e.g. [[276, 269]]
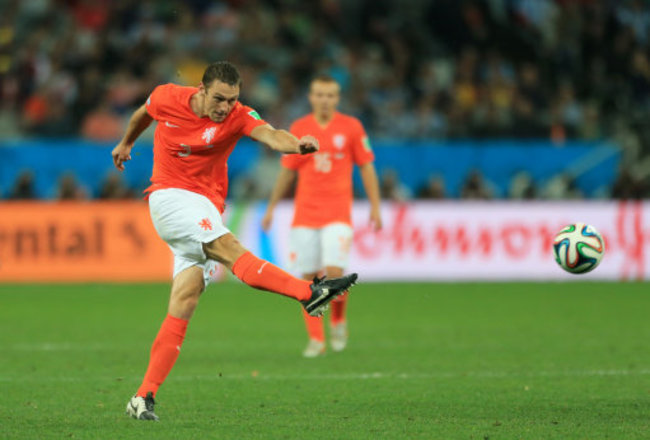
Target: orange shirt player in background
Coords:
[[197, 130], [321, 232]]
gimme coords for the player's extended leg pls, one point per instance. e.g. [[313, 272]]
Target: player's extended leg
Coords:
[[338, 323], [315, 297], [186, 289], [315, 330], [336, 240]]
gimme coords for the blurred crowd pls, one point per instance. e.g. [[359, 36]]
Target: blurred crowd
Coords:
[[258, 183], [413, 69]]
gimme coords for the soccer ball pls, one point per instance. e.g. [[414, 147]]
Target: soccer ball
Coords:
[[578, 248]]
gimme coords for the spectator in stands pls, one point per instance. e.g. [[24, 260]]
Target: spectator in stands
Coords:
[[113, 188], [428, 121], [433, 189], [522, 187], [46, 115], [35, 110], [453, 69], [69, 189], [628, 187], [640, 77], [244, 189], [569, 108], [102, 124], [264, 172], [475, 187], [391, 188], [257, 182], [479, 59], [561, 187], [591, 127], [23, 187]]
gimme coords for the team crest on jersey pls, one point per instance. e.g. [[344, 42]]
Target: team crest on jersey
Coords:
[[208, 134], [339, 141]]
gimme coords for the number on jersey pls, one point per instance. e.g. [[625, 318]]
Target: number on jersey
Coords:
[[322, 162], [187, 152]]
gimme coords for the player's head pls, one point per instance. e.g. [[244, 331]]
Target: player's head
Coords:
[[220, 90], [324, 95]]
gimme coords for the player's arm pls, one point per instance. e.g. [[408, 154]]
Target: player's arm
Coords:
[[371, 185], [283, 141], [138, 123], [282, 185]]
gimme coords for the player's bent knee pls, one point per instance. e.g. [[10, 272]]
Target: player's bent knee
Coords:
[[183, 303], [186, 290], [225, 249], [189, 303]]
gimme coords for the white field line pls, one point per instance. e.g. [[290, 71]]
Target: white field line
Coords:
[[57, 346], [254, 375]]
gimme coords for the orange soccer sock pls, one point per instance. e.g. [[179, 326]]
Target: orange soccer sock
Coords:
[[263, 275], [338, 309], [164, 352], [314, 326]]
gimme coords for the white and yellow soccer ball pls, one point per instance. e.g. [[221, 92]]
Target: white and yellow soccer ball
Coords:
[[578, 248]]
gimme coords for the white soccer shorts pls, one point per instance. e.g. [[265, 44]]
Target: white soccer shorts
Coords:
[[312, 249], [186, 220]]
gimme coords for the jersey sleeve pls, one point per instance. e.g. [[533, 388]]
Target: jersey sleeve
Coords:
[[156, 99], [361, 149], [251, 120]]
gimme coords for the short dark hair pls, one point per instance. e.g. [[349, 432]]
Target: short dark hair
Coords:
[[222, 71], [324, 77]]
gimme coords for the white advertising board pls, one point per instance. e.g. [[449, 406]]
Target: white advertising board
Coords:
[[475, 240]]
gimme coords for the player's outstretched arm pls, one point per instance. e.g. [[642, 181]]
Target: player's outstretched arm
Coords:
[[282, 185], [371, 185], [283, 141], [138, 123]]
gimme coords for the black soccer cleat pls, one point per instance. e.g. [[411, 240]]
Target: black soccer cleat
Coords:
[[324, 291], [141, 408]]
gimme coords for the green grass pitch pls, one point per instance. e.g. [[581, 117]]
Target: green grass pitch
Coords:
[[425, 361]]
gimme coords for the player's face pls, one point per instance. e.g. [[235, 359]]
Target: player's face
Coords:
[[324, 97], [220, 98]]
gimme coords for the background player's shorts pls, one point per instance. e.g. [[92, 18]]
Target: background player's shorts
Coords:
[[186, 220], [313, 249]]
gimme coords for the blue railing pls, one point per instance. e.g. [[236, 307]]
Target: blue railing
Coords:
[[594, 164]]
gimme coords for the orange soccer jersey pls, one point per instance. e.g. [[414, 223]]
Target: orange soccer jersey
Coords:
[[190, 152], [324, 192]]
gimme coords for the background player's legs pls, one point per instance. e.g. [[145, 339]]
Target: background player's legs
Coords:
[[338, 304], [315, 325], [336, 240], [253, 271], [315, 329], [186, 289], [305, 258], [338, 323]]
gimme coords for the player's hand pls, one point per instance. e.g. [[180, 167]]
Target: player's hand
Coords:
[[375, 219], [308, 144], [121, 154], [267, 220]]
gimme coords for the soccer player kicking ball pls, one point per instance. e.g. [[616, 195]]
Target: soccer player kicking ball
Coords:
[[196, 132], [321, 233]]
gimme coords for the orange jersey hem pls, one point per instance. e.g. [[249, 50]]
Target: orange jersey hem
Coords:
[[218, 202], [318, 225]]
